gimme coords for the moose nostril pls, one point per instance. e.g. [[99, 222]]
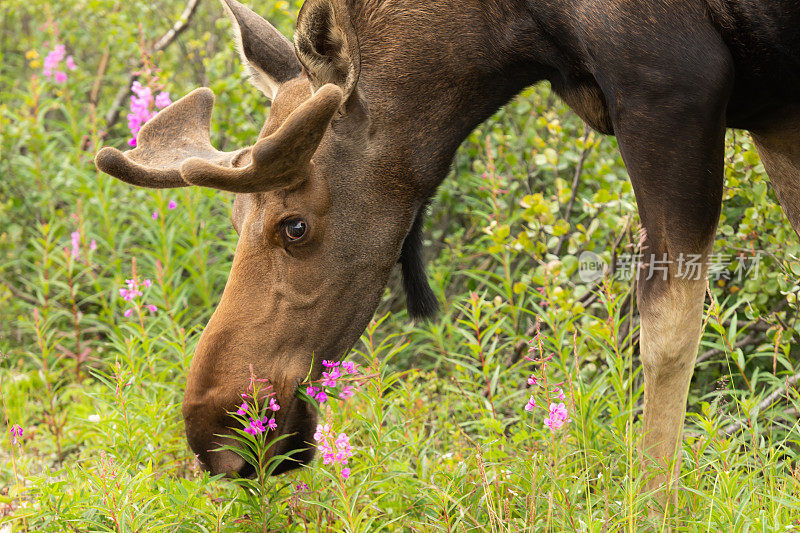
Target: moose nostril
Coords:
[[205, 441]]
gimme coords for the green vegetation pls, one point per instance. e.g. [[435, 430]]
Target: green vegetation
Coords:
[[441, 436]]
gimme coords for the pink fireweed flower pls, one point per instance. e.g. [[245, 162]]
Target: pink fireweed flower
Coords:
[[531, 404], [334, 450], [133, 290], [347, 392], [142, 103], [321, 432], [329, 364], [75, 238], [16, 434], [343, 449], [256, 427], [162, 100], [70, 62], [273, 405], [328, 457], [532, 381], [144, 93], [128, 294], [349, 367], [53, 59], [558, 416], [60, 76], [329, 378], [560, 394], [321, 397], [155, 215], [301, 487], [242, 410], [271, 424], [172, 204], [311, 390], [93, 245]]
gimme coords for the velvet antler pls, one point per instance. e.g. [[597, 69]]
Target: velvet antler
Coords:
[[174, 148]]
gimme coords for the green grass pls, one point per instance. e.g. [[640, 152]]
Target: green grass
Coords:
[[442, 441]]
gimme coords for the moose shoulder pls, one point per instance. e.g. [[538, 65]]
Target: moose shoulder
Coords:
[[369, 105]]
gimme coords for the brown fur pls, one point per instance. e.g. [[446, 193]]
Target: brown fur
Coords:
[[778, 144]]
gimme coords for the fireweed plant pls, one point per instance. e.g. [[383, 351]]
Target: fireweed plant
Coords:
[[254, 438], [557, 413], [133, 292], [53, 67], [143, 108], [339, 381]]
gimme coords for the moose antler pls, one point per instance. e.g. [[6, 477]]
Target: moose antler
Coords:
[[174, 148]]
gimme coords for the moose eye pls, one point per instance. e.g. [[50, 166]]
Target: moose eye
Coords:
[[294, 229]]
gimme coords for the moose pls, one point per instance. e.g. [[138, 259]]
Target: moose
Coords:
[[368, 106]]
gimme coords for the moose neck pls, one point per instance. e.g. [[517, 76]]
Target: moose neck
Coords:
[[433, 70]]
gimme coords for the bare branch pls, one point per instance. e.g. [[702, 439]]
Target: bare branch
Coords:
[[758, 326], [575, 177], [181, 24], [98, 81], [765, 403], [752, 338], [591, 295]]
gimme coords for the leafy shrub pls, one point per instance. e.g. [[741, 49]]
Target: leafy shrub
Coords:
[[441, 436]]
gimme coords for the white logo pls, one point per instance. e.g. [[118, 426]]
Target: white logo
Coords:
[[590, 267]]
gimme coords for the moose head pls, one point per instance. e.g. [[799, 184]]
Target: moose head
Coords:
[[323, 209]]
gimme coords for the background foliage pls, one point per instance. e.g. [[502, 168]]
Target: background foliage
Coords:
[[442, 440]]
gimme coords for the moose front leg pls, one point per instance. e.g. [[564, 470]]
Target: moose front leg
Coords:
[[679, 209], [671, 319], [680, 225], [672, 144]]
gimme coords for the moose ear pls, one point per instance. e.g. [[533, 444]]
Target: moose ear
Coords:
[[269, 55], [327, 44]]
